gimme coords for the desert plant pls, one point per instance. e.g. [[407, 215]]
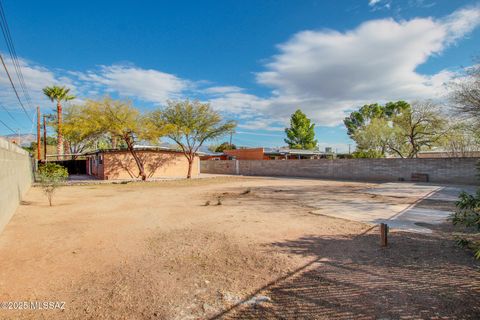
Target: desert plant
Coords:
[[121, 121], [468, 215], [190, 124], [51, 176], [468, 210]]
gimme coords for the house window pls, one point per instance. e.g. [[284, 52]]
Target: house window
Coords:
[[100, 159]]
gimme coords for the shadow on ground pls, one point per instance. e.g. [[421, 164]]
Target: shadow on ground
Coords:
[[417, 276]]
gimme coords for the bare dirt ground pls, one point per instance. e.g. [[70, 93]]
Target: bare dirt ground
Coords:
[[261, 249]]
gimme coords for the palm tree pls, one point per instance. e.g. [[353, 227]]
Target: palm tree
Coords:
[[58, 94]]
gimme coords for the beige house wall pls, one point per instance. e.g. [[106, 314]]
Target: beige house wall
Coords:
[[157, 164]]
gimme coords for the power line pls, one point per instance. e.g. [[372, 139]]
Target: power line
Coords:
[[7, 126], [14, 88], [8, 112], [13, 54]]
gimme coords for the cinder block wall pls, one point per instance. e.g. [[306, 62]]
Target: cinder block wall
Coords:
[[15, 178], [444, 170]]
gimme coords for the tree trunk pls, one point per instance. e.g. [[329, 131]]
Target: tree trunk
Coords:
[[138, 161], [59, 130], [190, 163], [66, 148]]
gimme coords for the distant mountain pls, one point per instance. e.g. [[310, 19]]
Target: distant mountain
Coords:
[[22, 139]]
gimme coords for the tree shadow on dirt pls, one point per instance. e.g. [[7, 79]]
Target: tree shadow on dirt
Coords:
[[417, 276]]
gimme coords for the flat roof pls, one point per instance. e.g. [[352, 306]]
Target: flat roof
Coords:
[[137, 148], [282, 151]]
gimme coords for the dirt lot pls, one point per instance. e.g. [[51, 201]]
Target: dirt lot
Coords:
[[262, 248]]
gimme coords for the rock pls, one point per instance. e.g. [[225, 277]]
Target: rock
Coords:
[[208, 308], [258, 300]]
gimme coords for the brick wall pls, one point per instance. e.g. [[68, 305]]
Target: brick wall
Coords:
[[444, 170]]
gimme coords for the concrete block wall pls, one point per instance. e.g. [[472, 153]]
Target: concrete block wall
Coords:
[[443, 170], [15, 178]]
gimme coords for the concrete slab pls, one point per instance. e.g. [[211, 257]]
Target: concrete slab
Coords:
[[408, 217]]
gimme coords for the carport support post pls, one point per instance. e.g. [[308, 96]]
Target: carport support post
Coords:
[[383, 234]]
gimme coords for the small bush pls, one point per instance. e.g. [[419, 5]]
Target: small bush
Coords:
[[369, 154], [468, 210], [51, 176], [468, 215]]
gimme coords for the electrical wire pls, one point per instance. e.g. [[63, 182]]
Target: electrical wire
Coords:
[[8, 112], [13, 54], [7, 126], [14, 88]]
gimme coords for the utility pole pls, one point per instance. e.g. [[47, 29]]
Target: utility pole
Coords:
[[231, 133], [44, 138], [349, 148], [39, 153]]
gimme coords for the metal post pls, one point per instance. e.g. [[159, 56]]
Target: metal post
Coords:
[[383, 234], [39, 153], [44, 138]]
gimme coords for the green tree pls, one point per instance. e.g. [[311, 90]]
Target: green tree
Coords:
[[301, 134], [79, 132], [461, 139], [58, 94], [121, 120], [416, 129], [361, 118], [396, 128], [51, 176], [225, 146], [369, 154], [190, 124], [373, 139]]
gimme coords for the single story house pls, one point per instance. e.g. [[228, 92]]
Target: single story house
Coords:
[[158, 162], [265, 154]]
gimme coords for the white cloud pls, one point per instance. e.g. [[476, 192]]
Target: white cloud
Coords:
[[460, 23], [133, 82], [36, 78], [261, 124], [222, 90], [123, 80], [238, 103], [379, 4], [327, 72]]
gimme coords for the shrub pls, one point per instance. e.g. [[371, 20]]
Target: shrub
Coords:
[[370, 154], [468, 215], [51, 176], [468, 210]]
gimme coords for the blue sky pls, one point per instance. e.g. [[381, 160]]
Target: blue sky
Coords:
[[255, 61]]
